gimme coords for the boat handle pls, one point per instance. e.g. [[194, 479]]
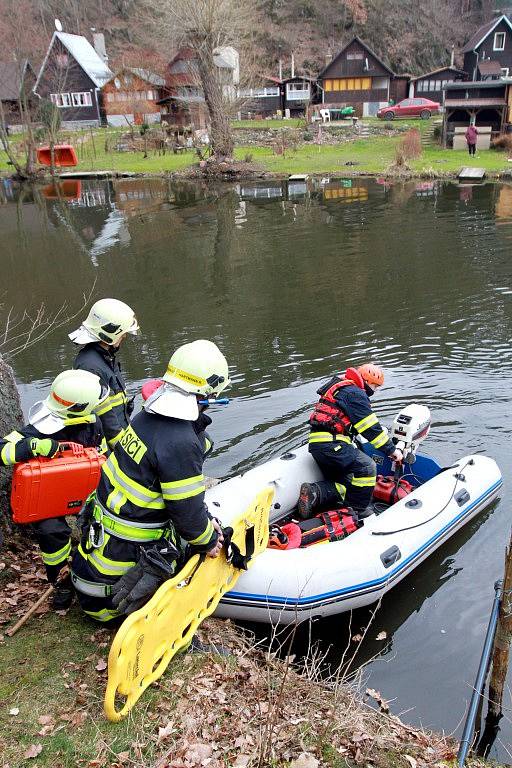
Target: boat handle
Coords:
[[390, 556], [462, 497]]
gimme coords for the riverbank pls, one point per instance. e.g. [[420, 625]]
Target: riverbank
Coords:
[[248, 709], [281, 151]]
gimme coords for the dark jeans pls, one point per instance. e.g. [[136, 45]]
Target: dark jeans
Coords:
[[471, 149], [349, 475]]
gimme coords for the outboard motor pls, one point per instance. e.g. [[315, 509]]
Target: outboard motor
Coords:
[[410, 427]]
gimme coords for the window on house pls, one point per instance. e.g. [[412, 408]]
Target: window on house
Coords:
[[60, 99], [109, 96], [349, 84], [298, 86], [419, 86], [499, 41], [62, 60], [354, 56], [504, 71], [82, 99], [380, 83]]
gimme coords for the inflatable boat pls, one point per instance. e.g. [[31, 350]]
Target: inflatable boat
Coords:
[[291, 585]]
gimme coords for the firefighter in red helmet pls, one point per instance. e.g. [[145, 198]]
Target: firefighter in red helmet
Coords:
[[343, 412]]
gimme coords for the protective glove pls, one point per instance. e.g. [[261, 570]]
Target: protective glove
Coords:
[[397, 456], [140, 583], [130, 405], [44, 447]]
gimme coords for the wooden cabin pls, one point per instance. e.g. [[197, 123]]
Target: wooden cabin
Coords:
[[132, 96], [356, 77], [263, 99], [482, 103], [17, 80], [299, 92], [431, 84], [71, 77], [492, 42]]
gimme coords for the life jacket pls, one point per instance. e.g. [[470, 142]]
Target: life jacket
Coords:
[[328, 414], [327, 526], [389, 490]]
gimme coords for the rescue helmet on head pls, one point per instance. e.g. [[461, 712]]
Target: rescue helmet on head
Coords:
[[74, 395], [372, 375], [108, 320]]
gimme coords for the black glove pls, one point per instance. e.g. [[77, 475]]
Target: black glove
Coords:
[[130, 405], [140, 583]]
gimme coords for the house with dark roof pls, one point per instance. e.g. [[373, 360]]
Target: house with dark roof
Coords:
[[16, 82], [131, 97], [263, 99], [356, 77], [430, 85], [488, 52], [72, 76]]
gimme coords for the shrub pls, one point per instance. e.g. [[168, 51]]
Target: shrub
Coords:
[[437, 133], [410, 146], [307, 136], [248, 157], [388, 125], [503, 142], [144, 128]]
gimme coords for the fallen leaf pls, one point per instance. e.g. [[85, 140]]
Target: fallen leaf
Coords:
[[305, 760], [411, 760], [14, 711], [197, 753], [123, 757], [45, 719], [357, 638], [164, 732], [382, 636], [33, 751], [242, 761], [101, 665]]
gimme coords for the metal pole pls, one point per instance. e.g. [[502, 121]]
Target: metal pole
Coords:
[[469, 726]]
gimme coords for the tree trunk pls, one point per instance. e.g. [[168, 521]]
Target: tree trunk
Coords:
[[11, 417], [220, 127]]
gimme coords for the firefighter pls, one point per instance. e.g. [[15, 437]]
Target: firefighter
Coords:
[[66, 415], [150, 512], [344, 411], [102, 333]]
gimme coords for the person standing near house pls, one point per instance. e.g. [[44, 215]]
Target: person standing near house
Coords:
[[102, 333], [471, 138]]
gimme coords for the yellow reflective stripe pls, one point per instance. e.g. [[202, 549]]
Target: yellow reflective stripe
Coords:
[[103, 564], [185, 376], [327, 437], [103, 448], [204, 537], [380, 440], [106, 614], [366, 423], [341, 490], [112, 401], [183, 489], [72, 421], [55, 558], [113, 440], [133, 491], [14, 437], [8, 454], [363, 482]]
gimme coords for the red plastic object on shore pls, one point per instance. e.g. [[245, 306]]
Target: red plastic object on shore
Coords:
[[64, 156], [44, 488]]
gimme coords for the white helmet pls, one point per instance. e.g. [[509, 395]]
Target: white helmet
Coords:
[[107, 321], [73, 395], [198, 368]]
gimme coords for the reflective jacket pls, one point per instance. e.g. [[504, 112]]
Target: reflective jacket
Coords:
[[355, 416], [151, 486], [114, 412]]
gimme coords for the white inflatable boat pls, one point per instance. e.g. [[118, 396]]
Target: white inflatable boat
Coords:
[[286, 586]]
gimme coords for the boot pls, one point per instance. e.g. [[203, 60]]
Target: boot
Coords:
[[63, 594], [308, 499], [363, 513]]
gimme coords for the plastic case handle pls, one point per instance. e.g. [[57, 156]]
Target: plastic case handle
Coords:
[[75, 448]]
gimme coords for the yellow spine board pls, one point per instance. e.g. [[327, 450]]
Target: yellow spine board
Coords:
[[150, 637]]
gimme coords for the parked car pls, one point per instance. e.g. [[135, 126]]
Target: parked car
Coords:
[[423, 108]]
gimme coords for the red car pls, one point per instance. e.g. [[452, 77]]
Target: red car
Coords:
[[423, 108]]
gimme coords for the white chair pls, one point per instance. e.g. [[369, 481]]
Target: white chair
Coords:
[[325, 114]]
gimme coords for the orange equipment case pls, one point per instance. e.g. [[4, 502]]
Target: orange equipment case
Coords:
[[43, 488], [64, 156]]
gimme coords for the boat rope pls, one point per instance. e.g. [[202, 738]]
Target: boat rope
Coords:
[[458, 478]]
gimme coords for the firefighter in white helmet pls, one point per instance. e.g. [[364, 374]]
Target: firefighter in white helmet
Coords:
[[150, 498], [66, 415], [101, 333]]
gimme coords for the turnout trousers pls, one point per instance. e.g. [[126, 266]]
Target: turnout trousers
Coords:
[[349, 474]]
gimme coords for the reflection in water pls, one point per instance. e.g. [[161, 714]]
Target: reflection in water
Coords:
[[294, 281]]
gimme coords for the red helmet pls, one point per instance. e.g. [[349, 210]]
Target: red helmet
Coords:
[[372, 374]]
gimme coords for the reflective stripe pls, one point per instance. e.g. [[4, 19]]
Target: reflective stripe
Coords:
[[126, 529], [112, 401], [103, 447], [103, 564], [90, 588], [204, 537], [14, 437], [55, 558], [366, 423], [113, 440], [380, 440], [8, 454], [183, 489], [341, 490], [106, 614], [363, 482], [136, 493], [327, 437]]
